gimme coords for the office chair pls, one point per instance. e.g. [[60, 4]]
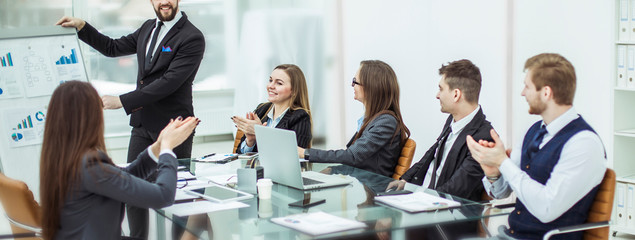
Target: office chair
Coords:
[[21, 209], [405, 158], [597, 224], [598, 219], [239, 135]]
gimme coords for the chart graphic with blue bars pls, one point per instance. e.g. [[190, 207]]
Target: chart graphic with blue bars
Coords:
[[26, 123], [6, 60], [68, 60]]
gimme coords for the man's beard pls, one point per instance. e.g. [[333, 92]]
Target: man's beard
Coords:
[[166, 18], [536, 107]]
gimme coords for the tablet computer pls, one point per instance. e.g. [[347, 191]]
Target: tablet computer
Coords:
[[217, 193]]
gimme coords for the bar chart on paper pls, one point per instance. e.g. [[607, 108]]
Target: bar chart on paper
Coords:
[[6, 60], [26, 123], [72, 59], [10, 83], [67, 60]]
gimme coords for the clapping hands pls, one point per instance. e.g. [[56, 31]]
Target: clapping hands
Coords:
[[489, 155], [174, 133], [246, 125]]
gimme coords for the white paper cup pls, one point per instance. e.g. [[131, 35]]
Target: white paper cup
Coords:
[[264, 188], [264, 208]]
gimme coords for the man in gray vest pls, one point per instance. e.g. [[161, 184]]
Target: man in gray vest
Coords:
[[556, 170]]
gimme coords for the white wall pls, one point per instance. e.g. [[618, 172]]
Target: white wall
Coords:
[[415, 38], [581, 31]]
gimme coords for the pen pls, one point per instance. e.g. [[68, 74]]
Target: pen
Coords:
[[208, 155]]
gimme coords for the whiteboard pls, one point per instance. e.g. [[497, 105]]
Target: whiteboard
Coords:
[[33, 62]]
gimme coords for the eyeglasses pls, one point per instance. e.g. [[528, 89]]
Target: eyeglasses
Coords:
[[355, 82]]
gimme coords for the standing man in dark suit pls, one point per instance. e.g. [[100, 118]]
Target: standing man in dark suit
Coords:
[[448, 166], [169, 51]]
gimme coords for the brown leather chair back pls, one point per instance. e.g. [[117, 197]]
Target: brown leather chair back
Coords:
[[239, 135], [602, 207], [405, 159], [19, 204]]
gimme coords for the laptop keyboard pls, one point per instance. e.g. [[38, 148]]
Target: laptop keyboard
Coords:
[[308, 181]]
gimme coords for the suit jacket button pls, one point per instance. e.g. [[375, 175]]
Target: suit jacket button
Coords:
[[511, 231], [518, 212], [527, 167], [141, 81]]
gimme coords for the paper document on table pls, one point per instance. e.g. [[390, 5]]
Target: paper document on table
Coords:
[[317, 223], [199, 207], [181, 195], [223, 179], [417, 202], [218, 158], [185, 175]]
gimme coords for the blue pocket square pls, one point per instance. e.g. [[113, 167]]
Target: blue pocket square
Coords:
[[166, 49]]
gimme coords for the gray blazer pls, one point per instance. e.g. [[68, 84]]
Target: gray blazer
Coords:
[[94, 207], [375, 151]]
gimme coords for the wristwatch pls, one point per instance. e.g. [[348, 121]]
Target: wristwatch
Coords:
[[493, 178], [306, 154]]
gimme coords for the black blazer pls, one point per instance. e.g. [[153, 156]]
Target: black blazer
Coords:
[[165, 90], [298, 121], [461, 175]]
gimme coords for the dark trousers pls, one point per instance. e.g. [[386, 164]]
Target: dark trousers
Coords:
[[140, 139]]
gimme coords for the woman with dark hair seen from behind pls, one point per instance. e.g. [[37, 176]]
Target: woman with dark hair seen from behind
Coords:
[[288, 108], [82, 191], [381, 132]]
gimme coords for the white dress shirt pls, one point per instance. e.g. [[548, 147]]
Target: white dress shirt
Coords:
[[456, 127], [581, 167], [163, 151], [167, 25]]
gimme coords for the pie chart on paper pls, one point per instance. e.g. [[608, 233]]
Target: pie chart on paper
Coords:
[[17, 136]]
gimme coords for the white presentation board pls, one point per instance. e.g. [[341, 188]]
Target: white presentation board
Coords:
[[33, 62]]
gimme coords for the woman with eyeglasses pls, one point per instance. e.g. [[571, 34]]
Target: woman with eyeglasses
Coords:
[[381, 132], [288, 108], [82, 191]]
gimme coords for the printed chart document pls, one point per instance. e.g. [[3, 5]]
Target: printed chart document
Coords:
[[417, 202], [318, 223]]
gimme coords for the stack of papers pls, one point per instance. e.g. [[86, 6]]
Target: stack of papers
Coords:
[[417, 202], [317, 223]]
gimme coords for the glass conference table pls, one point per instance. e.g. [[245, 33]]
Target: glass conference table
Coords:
[[353, 201]]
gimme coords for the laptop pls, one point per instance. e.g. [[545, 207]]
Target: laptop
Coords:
[[278, 152]]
